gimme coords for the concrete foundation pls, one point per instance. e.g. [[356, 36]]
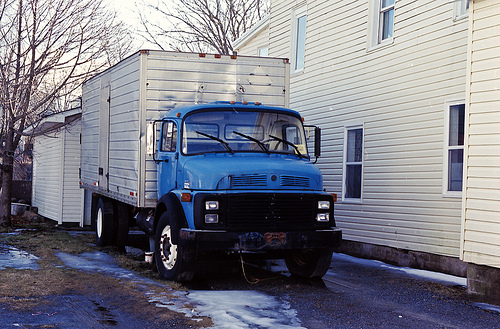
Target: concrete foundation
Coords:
[[483, 283], [405, 258]]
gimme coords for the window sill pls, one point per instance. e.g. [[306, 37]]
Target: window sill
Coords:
[[461, 17], [350, 201], [453, 194], [383, 44]]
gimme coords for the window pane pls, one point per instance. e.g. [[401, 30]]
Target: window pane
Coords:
[[386, 3], [169, 137], [264, 52], [301, 42], [455, 170], [353, 182], [387, 24], [457, 117], [355, 145]]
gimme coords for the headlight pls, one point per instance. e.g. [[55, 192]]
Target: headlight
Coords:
[[211, 205], [323, 217], [211, 218], [323, 205]]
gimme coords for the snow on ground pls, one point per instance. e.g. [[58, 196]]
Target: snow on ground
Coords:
[[434, 276], [234, 309], [11, 257]]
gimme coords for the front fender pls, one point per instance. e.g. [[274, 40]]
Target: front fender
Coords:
[[170, 204]]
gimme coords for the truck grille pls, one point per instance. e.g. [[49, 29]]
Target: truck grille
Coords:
[[248, 180], [270, 211], [294, 181]]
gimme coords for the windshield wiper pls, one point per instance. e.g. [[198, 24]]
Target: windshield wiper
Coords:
[[284, 141], [226, 145], [261, 145]]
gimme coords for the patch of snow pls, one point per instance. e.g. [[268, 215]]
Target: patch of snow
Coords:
[[430, 275], [233, 309], [11, 257], [489, 307]]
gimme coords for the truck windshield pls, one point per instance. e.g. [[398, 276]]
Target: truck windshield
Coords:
[[243, 131]]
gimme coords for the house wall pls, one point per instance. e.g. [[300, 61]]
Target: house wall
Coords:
[[72, 193], [260, 40], [399, 93], [481, 226], [47, 176], [56, 190]]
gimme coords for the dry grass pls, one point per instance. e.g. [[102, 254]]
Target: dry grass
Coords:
[[26, 289]]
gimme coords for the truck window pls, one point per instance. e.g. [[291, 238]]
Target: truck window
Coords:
[[223, 130], [169, 138]]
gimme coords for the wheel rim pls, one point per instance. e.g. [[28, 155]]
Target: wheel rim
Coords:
[[168, 250], [99, 222]]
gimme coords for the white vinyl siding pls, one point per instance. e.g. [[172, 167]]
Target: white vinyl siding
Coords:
[[56, 189], [481, 226], [47, 176], [398, 92], [255, 43]]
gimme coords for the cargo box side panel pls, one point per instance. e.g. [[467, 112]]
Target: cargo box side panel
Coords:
[[124, 131], [176, 79], [90, 132]]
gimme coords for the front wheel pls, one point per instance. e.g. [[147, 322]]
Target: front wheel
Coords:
[[312, 263], [172, 261]]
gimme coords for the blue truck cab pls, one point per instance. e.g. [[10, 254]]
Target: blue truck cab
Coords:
[[237, 178]]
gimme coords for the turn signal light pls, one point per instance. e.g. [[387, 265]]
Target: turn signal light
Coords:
[[186, 197]]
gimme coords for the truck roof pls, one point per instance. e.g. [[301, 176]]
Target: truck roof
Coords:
[[180, 112]]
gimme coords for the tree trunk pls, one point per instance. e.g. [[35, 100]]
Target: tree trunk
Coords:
[[6, 192], [5, 197]]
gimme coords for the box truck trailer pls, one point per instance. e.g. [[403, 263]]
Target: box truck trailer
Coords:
[[200, 152]]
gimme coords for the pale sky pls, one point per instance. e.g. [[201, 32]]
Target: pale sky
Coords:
[[128, 12]]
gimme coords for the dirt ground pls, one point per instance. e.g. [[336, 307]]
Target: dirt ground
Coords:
[[55, 296]]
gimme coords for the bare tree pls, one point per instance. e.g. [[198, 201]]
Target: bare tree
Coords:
[[47, 48], [200, 25]]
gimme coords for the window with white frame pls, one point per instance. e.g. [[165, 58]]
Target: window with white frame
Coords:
[[263, 52], [461, 9], [386, 20], [454, 152], [299, 38], [380, 23], [353, 163]]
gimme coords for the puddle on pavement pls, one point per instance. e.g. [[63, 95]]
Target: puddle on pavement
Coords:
[[11, 257], [96, 261]]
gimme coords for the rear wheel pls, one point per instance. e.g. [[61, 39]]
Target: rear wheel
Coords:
[[104, 222], [312, 263], [172, 261]]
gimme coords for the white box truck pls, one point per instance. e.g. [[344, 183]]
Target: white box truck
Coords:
[[180, 145]]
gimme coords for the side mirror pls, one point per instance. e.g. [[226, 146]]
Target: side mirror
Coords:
[[317, 142]]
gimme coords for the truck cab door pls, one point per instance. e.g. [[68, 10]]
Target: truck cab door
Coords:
[[167, 158]]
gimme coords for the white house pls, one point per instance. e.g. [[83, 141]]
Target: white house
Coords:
[[388, 83], [481, 202], [56, 162]]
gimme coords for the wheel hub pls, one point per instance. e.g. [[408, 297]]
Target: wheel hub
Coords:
[[168, 250]]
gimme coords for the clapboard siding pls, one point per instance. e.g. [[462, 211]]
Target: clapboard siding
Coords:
[[72, 194], [398, 92], [56, 163], [482, 201], [47, 176], [258, 41]]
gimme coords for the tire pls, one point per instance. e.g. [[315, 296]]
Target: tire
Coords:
[[313, 263], [121, 224], [172, 261], [104, 223]]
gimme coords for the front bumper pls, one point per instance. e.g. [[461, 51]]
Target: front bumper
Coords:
[[205, 241]]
